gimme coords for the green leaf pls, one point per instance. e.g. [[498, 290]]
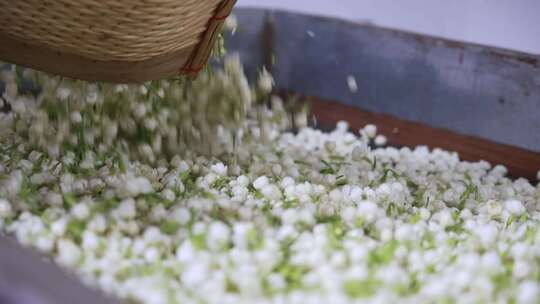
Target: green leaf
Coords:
[[530, 234], [361, 288], [256, 193], [301, 162], [169, 227], [231, 286], [387, 172], [470, 189], [254, 240], [69, 200], [107, 205], [502, 280], [199, 241], [341, 181], [412, 287], [359, 222], [75, 229], [510, 221], [413, 187], [328, 169], [293, 275], [383, 254], [290, 203], [220, 183], [457, 228], [338, 158], [415, 218], [189, 180], [419, 197]]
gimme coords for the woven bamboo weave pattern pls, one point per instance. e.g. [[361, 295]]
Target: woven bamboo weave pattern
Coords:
[[108, 30]]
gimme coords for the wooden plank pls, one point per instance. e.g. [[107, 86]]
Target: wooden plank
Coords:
[[520, 162]]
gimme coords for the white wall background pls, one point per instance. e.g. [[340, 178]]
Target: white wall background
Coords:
[[511, 24]]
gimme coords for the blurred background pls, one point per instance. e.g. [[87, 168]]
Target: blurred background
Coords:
[[511, 24]]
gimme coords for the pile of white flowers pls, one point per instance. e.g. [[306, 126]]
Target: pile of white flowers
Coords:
[[190, 193]]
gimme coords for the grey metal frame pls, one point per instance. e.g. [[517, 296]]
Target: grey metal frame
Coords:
[[27, 278]]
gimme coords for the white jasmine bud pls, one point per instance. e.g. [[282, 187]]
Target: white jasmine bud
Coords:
[[5, 209]]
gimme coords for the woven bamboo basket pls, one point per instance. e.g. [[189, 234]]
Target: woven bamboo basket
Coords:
[[111, 40]]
